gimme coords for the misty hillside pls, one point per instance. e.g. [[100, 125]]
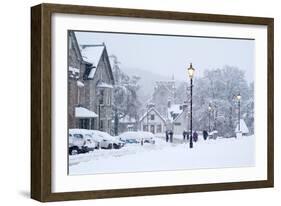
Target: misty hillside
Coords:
[[146, 82]]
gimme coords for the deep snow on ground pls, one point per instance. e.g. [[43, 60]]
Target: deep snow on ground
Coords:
[[219, 153]]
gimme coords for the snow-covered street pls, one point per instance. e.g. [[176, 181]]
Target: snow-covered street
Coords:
[[219, 153]]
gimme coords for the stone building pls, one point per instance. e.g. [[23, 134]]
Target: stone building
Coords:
[[76, 91], [92, 85], [164, 95]]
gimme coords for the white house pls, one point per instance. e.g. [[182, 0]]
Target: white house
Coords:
[[177, 118], [243, 127], [181, 123], [152, 121]]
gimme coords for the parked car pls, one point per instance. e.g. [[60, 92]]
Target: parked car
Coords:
[[137, 137], [76, 144], [149, 140], [80, 142], [130, 141], [90, 143], [105, 140], [110, 144]]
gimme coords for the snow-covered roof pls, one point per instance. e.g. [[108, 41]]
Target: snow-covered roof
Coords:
[[82, 112], [103, 84], [184, 111], [92, 73], [80, 84], [145, 114], [174, 109], [92, 54], [243, 127]]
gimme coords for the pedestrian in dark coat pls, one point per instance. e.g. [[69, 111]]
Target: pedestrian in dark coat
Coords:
[[171, 135], [195, 136], [184, 134], [205, 135], [167, 135]]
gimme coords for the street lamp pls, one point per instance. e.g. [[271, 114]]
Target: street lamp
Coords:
[[190, 72], [209, 109], [238, 99]]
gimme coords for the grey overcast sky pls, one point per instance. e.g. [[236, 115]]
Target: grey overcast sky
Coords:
[[171, 55]]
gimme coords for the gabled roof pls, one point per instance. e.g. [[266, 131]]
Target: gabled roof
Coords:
[[92, 54], [145, 114], [183, 111], [174, 109]]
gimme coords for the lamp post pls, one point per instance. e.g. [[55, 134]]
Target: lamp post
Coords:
[[215, 113], [209, 109], [238, 99], [190, 72]]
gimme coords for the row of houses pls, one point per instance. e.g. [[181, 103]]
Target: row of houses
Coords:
[[90, 86]]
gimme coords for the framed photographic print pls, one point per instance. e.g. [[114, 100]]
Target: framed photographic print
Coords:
[[130, 102]]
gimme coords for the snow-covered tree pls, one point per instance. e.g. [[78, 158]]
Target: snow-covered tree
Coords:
[[219, 89], [125, 94]]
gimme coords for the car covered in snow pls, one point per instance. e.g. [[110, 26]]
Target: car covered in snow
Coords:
[[129, 141], [105, 140], [136, 137], [80, 142]]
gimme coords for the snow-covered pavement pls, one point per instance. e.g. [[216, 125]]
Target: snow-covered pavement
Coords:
[[161, 156]]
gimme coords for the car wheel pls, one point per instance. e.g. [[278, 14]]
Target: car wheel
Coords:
[[116, 146]]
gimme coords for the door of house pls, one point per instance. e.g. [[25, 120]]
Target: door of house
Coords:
[[152, 129]]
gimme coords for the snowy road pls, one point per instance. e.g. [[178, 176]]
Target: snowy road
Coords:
[[167, 156]]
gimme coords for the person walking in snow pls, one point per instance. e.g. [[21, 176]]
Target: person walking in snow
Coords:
[[195, 136], [184, 134], [167, 135], [171, 135], [205, 135]]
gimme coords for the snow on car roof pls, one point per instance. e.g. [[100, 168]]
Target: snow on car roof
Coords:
[[136, 135]]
